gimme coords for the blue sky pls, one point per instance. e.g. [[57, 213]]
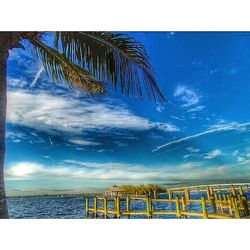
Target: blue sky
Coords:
[[61, 141]]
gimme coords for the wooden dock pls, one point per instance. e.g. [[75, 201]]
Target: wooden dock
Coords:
[[220, 201]]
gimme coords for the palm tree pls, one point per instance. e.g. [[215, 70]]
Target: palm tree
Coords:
[[88, 61]]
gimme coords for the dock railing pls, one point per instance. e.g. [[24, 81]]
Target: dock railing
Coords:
[[215, 204]]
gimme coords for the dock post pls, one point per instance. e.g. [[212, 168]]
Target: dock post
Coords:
[[118, 215], [115, 203], [240, 190], [211, 191], [236, 208], [216, 196], [95, 207], [87, 206], [220, 203], [155, 196], [213, 204], [187, 194], [224, 197], [105, 207], [229, 205], [170, 195], [183, 204], [233, 190], [208, 193], [178, 210], [245, 205], [149, 207], [128, 205], [204, 207]]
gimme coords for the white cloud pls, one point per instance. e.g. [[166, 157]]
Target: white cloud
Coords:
[[191, 165], [106, 165], [84, 142], [188, 96], [235, 153], [120, 172], [196, 109], [213, 154], [193, 150], [160, 108], [38, 74], [53, 114], [219, 128], [16, 82], [166, 127]]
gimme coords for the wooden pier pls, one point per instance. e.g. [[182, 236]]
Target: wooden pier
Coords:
[[220, 201]]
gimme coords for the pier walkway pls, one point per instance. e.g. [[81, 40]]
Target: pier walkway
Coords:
[[218, 201]]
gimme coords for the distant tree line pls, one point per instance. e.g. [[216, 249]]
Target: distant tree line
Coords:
[[142, 189]]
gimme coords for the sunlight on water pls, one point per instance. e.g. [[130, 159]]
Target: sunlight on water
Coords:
[[74, 207]]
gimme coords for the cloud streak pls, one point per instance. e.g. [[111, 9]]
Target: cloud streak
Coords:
[[233, 126], [38, 74]]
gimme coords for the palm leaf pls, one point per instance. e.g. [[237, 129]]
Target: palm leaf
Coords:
[[62, 69], [112, 58]]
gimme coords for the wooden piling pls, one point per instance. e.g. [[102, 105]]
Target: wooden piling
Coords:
[[235, 208], [211, 190], [213, 204], [233, 190], [105, 207], [245, 205], [118, 207], [128, 205], [149, 207], [170, 195], [208, 193], [115, 204], [240, 190], [229, 202], [87, 205], [224, 197], [178, 210], [183, 204], [155, 195], [204, 207], [95, 207], [187, 194], [220, 203]]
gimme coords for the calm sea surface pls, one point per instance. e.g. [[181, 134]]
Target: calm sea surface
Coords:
[[74, 207]]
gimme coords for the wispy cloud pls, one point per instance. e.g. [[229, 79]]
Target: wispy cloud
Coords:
[[213, 154], [193, 150], [106, 165], [160, 108], [196, 109], [187, 96], [84, 142], [53, 114], [232, 126], [38, 74]]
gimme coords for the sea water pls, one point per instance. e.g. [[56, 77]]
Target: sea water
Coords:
[[73, 207]]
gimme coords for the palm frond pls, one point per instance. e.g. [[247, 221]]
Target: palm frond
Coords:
[[112, 58], [62, 69]]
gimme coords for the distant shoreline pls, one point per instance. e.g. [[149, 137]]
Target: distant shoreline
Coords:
[[51, 195]]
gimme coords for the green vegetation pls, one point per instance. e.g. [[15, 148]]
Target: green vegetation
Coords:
[[142, 189]]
